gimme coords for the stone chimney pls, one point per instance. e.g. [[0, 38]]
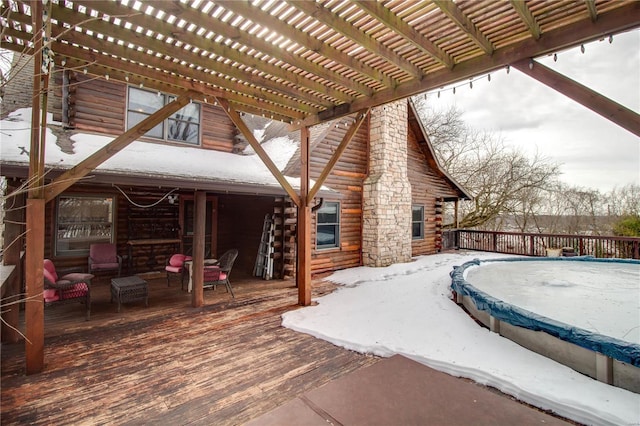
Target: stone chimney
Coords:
[[386, 234]]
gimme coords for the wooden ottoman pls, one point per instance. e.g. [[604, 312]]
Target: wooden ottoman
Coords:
[[129, 289]]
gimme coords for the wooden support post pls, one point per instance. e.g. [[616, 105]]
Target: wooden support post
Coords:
[[197, 291], [34, 306], [34, 277], [303, 273]]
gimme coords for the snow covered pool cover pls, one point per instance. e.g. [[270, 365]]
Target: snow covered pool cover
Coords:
[[594, 303]]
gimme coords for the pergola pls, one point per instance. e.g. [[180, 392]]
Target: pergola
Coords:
[[301, 62]]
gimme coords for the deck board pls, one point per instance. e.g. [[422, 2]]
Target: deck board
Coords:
[[225, 363]]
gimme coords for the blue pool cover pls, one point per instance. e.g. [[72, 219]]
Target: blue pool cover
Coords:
[[615, 348]]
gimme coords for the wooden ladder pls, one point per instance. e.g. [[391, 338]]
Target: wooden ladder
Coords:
[[264, 260]]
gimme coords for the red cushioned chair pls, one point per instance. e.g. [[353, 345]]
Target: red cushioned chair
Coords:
[[103, 257], [175, 266], [71, 287], [219, 273]]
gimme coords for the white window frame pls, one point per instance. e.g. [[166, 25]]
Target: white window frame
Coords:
[[336, 224], [415, 222], [76, 231], [162, 131]]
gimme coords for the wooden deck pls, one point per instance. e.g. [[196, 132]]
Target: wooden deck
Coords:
[[169, 363]]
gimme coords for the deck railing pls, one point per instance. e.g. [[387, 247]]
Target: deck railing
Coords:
[[537, 244]]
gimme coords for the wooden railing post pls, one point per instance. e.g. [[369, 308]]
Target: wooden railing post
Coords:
[[532, 247]]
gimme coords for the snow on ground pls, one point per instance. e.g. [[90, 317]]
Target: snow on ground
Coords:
[[407, 309]]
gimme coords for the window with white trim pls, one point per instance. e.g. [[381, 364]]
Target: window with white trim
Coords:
[[82, 221], [182, 126], [417, 222], [328, 226]]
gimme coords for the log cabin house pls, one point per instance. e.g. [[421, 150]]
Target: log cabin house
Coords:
[[381, 204]]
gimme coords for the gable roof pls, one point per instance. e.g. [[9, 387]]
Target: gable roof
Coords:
[[416, 125]]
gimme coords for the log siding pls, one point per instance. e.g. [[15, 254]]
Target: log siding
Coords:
[[97, 106], [427, 189]]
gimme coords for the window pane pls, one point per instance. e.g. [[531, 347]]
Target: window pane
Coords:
[[417, 213], [328, 213], [144, 101], [82, 221], [134, 118], [327, 236], [416, 230], [183, 131], [189, 112]]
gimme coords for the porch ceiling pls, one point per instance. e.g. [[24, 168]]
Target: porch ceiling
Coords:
[[305, 62]]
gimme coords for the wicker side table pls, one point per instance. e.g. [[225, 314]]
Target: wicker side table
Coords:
[[129, 289]]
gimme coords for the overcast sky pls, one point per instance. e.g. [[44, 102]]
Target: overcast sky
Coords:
[[593, 152]]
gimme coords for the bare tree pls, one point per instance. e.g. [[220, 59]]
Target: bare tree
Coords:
[[624, 201], [503, 180]]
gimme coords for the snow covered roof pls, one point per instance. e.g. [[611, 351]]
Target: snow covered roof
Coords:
[[146, 162]]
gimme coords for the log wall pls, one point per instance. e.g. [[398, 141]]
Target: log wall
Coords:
[[427, 189], [98, 106]]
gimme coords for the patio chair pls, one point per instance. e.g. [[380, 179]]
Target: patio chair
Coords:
[[218, 274], [175, 266], [103, 257], [71, 287]]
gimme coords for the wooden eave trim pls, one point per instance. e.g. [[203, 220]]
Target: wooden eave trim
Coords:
[[203, 20], [596, 102], [618, 20], [331, 20], [335, 157], [242, 127], [398, 26], [64, 181], [246, 9], [454, 13], [527, 17]]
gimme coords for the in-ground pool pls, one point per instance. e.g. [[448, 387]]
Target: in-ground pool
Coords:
[[580, 311]]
